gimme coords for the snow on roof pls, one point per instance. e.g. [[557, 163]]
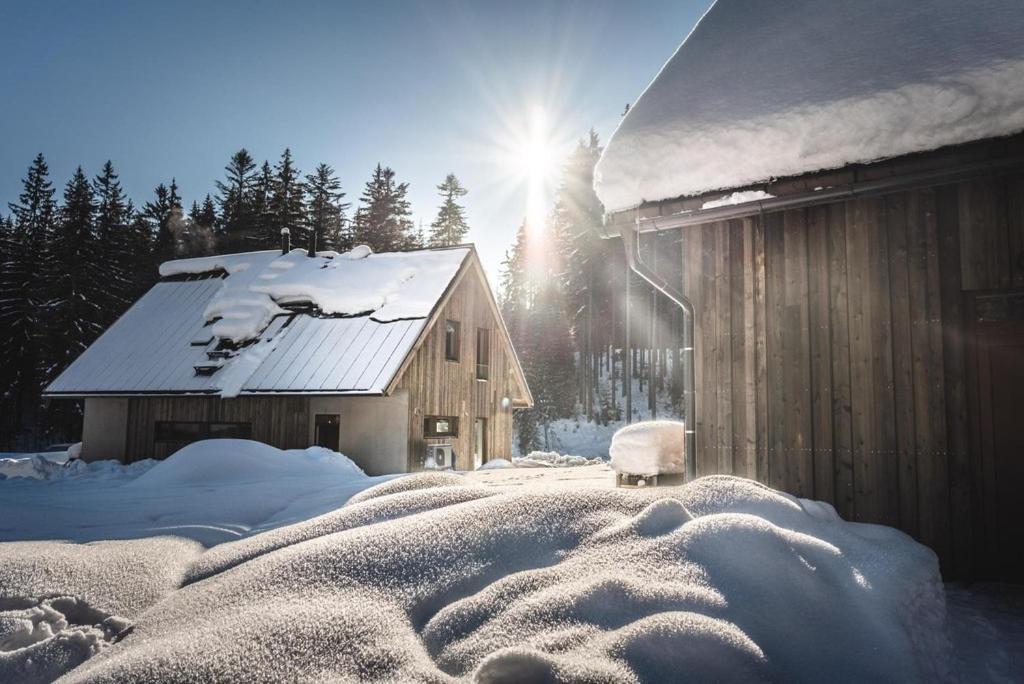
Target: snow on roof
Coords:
[[761, 90], [367, 310]]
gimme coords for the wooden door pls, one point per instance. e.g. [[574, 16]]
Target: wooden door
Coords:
[[999, 353]]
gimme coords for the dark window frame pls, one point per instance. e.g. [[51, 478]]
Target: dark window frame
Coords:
[[430, 427], [452, 339], [483, 353]]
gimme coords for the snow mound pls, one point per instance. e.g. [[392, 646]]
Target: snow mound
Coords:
[[213, 461], [816, 85], [40, 467], [496, 464], [390, 286], [552, 459], [650, 448], [722, 579]]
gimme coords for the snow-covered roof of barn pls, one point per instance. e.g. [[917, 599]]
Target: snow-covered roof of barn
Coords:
[[263, 322], [763, 90]]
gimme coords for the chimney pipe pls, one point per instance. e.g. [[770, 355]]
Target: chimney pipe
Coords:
[[286, 240]]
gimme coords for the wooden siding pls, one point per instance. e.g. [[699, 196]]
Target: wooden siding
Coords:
[[830, 357], [438, 387], [281, 421]]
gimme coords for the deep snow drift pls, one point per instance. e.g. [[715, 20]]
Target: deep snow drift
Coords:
[[770, 89], [210, 491], [430, 578]]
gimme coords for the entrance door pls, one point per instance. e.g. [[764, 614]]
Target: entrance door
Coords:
[[327, 431], [1000, 357], [479, 442]]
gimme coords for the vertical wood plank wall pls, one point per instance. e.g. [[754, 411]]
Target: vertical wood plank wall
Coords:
[[830, 350], [438, 387], [281, 421]]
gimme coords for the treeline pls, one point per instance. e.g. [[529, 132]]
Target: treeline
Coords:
[[563, 293], [71, 264]]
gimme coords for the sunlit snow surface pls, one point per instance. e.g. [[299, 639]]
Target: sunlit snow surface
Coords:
[[761, 90], [504, 575]]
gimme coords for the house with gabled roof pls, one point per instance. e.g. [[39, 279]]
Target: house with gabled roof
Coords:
[[399, 360], [843, 183]]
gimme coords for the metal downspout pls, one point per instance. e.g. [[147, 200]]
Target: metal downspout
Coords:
[[631, 243]]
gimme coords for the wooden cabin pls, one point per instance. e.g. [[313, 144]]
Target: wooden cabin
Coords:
[[423, 360], [858, 289]]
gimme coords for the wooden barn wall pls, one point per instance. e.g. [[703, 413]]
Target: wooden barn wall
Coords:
[[282, 421], [438, 387], [830, 355]]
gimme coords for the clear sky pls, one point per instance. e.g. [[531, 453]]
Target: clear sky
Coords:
[[172, 89]]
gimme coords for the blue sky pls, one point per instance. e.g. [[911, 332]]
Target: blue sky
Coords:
[[172, 89]]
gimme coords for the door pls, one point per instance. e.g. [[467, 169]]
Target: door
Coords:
[[479, 442], [327, 431], [1000, 359]]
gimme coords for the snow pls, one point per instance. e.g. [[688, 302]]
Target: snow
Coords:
[[210, 492], [735, 198], [763, 90], [233, 561], [552, 459], [389, 286], [653, 447]]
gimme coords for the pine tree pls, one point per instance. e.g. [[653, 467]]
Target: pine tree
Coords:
[[199, 238], [262, 220], [115, 254], [286, 205], [384, 220], [235, 199], [75, 289], [449, 228], [325, 210], [22, 299], [165, 216], [583, 276], [142, 265]]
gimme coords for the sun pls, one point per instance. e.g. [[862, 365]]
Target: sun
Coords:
[[535, 164]]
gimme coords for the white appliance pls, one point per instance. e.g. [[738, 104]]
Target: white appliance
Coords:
[[440, 456]]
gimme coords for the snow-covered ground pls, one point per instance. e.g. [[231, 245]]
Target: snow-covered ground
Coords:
[[236, 561]]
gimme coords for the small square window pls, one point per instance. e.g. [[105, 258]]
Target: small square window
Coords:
[[440, 426], [451, 340]]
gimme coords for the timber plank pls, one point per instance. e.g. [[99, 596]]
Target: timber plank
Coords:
[[903, 355], [819, 322]]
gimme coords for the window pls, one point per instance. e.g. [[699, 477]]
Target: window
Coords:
[[451, 340], [327, 430], [483, 353], [440, 426], [176, 434]]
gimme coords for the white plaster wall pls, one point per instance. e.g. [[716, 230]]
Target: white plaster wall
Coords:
[[104, 428], [374, 430]]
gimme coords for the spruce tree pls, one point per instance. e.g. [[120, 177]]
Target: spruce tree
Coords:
[[449, 228], [165, 216], [75, 289], [142, 268], [262, 220], [286, 204], [235, 199], [383, 221], [114, 252], [325, 210], [22, 300]]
